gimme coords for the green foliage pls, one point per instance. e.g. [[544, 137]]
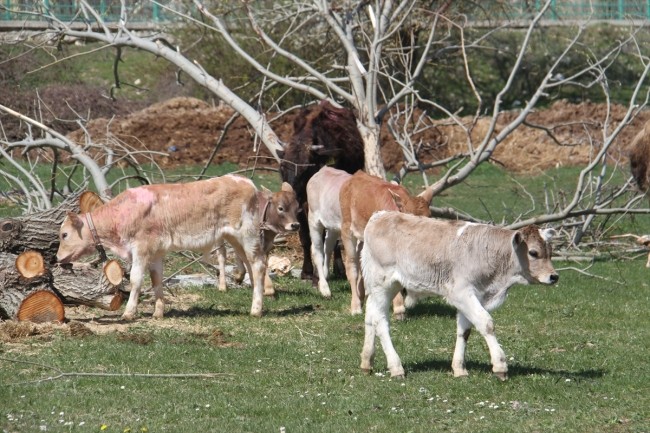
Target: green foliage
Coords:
[[491, 63]]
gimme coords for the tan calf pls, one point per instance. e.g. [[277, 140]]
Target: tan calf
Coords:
[[143, 224]]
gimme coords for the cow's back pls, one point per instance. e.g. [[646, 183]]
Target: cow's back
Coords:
[[363, 194], [182, 216], [425, 254], [323, 191]]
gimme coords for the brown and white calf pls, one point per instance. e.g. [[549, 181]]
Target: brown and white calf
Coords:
[[360, 197], [141, 225], [470, 265], [324, 219]]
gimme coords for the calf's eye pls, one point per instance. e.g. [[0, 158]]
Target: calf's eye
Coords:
[[64, 236], [280, 209], [533, 253]]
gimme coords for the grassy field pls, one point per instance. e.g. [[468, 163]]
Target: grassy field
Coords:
[[577, 356]]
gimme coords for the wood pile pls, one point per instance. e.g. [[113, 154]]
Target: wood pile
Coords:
[[33, 286]]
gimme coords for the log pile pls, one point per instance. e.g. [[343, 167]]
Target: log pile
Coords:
[[33, 286]]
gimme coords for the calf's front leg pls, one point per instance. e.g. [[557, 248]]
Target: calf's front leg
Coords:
[[463, 329], [470, 307]]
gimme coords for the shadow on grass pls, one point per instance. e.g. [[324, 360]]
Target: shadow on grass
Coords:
[[212, 311], [513, 370], [424, 309]]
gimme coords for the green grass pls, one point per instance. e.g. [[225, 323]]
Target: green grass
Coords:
[[577, 363]]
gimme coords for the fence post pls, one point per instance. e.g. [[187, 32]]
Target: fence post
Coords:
[[621, 10]]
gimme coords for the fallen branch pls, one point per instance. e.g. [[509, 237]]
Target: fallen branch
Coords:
[[61, 374]]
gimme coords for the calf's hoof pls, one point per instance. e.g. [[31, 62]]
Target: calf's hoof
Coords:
[[307, 275], [255, 313], [398, 375], [399, 316], [501, 375], [128, 316], [366, 371], [461, 373]]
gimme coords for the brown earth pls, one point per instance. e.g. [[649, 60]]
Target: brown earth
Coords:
[[186, 131]]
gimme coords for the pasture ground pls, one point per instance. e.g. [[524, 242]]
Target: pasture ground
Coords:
[[577, 355]]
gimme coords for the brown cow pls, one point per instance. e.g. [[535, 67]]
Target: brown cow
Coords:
[[142, 224], [360, 197], [323, 135]]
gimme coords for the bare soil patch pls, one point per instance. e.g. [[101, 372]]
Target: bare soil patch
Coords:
[[186, 130]]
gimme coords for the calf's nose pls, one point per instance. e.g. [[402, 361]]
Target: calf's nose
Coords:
[[554, 278], [295, 226]]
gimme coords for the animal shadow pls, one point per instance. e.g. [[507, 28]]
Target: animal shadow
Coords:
[[513, 370], [431, 308]]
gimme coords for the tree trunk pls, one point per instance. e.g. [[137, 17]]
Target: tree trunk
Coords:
[[374, 162], [38, 231], [82, 283]]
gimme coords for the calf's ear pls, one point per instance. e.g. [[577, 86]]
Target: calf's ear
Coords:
[[286, 187], [397, 200], [77, 224], [517, 239]]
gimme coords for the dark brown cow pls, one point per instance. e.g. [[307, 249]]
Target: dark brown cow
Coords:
[[323, 135]]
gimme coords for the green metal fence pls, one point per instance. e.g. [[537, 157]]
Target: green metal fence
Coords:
[[568, 10], [147, 11], [67, 10]]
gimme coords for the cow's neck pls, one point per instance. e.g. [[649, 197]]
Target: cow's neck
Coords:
[[95, 237], [108, 232]]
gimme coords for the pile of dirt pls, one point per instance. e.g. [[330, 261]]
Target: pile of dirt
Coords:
[[185, 131]]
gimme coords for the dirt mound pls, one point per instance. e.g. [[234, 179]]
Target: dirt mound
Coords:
[[186, 130]]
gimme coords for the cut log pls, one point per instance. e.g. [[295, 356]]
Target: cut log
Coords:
[[10, 276], [35, 303], [79, 283], [41, 306], [30, 264], [38, 231], [83, 283], [113, 272]]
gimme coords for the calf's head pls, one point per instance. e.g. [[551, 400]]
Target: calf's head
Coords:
[[75, 240], [533, 249], [281, 214]]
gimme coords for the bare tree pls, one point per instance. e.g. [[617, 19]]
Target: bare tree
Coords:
[[378, 53]]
